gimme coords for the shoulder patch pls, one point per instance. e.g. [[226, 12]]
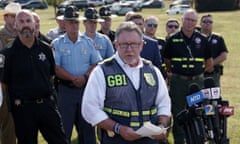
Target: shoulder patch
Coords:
[[2, 60]]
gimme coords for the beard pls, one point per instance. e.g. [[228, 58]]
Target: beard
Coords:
[[27, 32]]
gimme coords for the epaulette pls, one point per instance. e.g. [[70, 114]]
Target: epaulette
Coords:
[[217, 34], [107, 61], [145, 61]]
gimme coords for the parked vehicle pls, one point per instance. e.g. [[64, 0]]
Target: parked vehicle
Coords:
[[80, 4], [135, 4], [180, 2], [35, 4], [178, 9], [94, 3], [120, 8], [153, 4]]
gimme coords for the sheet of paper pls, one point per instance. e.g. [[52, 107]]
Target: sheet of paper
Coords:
[[150, 129]]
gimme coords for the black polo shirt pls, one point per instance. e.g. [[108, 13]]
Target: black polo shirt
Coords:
[[27, 71], [217, 44], [111, 35], [186, 53]]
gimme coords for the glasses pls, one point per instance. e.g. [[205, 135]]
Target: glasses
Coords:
[[173, 26], [152, 25], [126, 45], [207, 21]]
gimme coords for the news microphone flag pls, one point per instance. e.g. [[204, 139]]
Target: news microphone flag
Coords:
[[195, 98]]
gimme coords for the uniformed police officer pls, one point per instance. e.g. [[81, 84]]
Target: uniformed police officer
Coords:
[[7, 36], [101, 42], [187, 56], [150, 49], [59, 30], [151, 26], [218, 47], [106, 14], [27, 77], [75, 57], [128, 91]]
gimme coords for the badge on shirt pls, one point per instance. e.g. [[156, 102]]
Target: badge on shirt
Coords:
[[149, 79], [42, 56], [2, 59]]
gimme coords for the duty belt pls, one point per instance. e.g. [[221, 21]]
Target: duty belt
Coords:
[[187, 77], [18, 102]]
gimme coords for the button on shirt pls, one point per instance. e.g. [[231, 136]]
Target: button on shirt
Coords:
[[93, 100], [102, 43], [76, 58]]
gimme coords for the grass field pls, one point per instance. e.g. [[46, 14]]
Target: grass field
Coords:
[[225, 23]]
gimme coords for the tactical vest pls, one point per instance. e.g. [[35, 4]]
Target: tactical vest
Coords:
[[125, 104]]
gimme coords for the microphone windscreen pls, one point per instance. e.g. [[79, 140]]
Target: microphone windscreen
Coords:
[[209, 82], [193, 88]]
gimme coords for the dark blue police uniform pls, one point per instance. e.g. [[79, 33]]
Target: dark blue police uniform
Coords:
[[27, 74], [151, 52]]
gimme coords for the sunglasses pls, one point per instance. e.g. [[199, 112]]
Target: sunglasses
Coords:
[[173, 26], [152, 25], [207, 21]]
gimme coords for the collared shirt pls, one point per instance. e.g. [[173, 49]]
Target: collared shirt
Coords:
[[76, 58], [111, 35], [54, 33], [103, 44], [93, 100], [27, 71], [6, 38]]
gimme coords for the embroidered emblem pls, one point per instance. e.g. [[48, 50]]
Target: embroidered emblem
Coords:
[[149, 79], [42, 56]]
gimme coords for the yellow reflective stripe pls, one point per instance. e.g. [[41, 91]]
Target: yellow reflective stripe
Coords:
[[199, 59], [154, 111], [188, 59], [137, 124], [191, 66], [176, 59], [184, 66], [134, 114], [107, 110], [120, 113], [127, 114], [134, 124]]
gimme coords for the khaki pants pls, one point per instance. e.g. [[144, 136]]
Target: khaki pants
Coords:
[[7, 130]]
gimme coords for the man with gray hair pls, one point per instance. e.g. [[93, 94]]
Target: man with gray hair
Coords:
[[128, 92]]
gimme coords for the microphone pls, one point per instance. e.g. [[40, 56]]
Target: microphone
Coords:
[[195, 113], [211, 109], [226, 110], [195, 95]]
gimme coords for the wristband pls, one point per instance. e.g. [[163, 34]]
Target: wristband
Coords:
[[116, 128]]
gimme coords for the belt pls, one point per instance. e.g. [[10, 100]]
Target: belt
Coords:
[[67, 83], [18, 102], [187, 77]]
